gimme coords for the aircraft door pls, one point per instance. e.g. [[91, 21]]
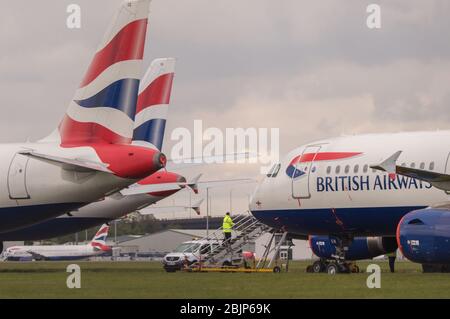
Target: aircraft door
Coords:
[[302, 172], [17, 177]]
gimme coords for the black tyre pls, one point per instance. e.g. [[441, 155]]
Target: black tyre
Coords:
[[276, 269], [318, 267], [332, 269]]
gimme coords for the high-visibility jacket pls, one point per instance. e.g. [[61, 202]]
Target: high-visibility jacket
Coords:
[[227, 224]]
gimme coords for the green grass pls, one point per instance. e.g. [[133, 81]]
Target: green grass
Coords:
[[148, 280]]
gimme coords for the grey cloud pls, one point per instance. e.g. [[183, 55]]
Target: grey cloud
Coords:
[[311, 68]]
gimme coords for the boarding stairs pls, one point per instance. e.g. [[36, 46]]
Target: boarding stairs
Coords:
[[246, 229]]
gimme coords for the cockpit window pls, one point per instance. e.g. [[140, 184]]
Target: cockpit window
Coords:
[[274, 171], [277, 169], [271, 171]]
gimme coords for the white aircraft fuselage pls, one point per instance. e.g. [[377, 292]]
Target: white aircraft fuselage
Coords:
[[35, 189], [327, 187]]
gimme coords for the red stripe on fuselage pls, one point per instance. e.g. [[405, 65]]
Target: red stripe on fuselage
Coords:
[[74, 133], [158, 92], [325, 156], [128, 44]]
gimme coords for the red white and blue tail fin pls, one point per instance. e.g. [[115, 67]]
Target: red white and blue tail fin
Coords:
[[99, 240], [153, 103], [104, 106]]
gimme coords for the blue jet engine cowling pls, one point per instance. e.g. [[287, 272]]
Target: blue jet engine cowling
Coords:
[[361, 247]]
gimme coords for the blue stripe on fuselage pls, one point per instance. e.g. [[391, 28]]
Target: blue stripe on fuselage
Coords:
[[361, 221], [18, 217], [53, 228]]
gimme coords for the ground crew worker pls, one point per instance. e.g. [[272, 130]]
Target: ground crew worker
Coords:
[[392, 256], [226, 228]]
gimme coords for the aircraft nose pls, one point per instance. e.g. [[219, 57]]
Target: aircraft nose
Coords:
[[255, 197]]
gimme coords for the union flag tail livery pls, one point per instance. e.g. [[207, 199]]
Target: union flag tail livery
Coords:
[[99, 240], [90, 156], [104, 106], [153, 103], [155, 89]]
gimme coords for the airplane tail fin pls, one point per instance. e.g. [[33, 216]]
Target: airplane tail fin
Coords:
[[104, 106], [99, 240], [153, 102]]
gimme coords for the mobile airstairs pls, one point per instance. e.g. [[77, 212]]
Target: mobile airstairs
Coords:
[[231, 255]]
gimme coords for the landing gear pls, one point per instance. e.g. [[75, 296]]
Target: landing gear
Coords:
[[332, 269], [337, 264], [319, 266]]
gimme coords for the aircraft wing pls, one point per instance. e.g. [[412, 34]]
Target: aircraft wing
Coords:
[[70, 164], [438, 180], [36, 255]]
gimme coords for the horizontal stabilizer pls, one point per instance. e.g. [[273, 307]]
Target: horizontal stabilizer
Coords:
[[171, 209], [137, 189], [70, 163]]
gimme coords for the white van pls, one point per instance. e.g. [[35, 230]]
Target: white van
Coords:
[[188, 253]]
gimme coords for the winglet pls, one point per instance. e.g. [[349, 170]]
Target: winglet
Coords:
[[389, 165]]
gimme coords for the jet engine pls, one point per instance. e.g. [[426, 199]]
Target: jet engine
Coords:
[[423, 237], [361, 247]]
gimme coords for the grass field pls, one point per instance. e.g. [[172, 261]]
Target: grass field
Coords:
[[148, 280]]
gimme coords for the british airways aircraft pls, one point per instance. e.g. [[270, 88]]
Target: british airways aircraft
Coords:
[[90, 155], [152, 108], [60, 252], [342, 194]]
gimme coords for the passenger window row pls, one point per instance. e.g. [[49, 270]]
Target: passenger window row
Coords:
[[356, 168]]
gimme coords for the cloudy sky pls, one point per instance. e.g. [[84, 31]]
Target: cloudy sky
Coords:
[[311, 68]]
